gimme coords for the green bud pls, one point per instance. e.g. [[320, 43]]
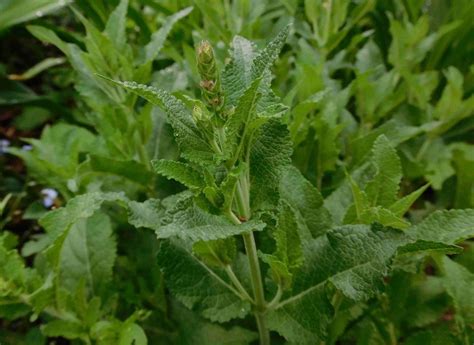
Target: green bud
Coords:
[[210, 81], [206, 62], [228, 112], [197, 113]]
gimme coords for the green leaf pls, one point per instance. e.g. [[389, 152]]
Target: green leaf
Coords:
[[197, 287], [458, 281], [237, 75], [181, 172], [195, 330], [306, 202], [15, 12], [13, 274], [463, 156], [264, 59], [195, 224], [38, 68], [246, 66], [146, 214], [216, 253], [288, 256], [153, 48], [80, 207], [88, 253], [383, 189], [269, 155], [132, 334], [64, 328], [116, 25], [131, 170], [244, 113], [401, 206], [55, 157], [353, 259], [193, 146], [449, 227]]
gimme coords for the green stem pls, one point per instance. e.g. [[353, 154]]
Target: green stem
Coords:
[[237, 283], [242, 201], [257, 285], [274, 302]]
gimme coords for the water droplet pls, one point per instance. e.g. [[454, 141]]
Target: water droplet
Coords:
[[39, 13]]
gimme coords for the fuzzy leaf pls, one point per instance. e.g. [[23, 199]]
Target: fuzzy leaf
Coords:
[[288, 256], [237, 75], [305, 200], [196, 287], [88, 252], [383, 189], [351, 258], [145, 214], [193, 146], [269, 155], [195, 224], [449, 227], [181, 172], [243, 114], [247, 66]]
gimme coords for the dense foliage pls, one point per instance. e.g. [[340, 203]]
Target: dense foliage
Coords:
[[237, 172]]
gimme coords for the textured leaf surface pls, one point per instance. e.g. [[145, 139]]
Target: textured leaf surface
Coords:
[[243, 114], [237, 75], [447, 227], [196, 287], [269, 155], [81, 207], [288, 255], [195, 330], [88, 253], [351, 258], [180, 172], [195, 224], [246, 65], [146, 214], [192, 144], [383, 189], [305, 200]]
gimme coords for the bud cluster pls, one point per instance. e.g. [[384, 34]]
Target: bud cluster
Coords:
[[210, 81]]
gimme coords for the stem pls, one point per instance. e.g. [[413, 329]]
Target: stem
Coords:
[[237, 283], [243, 206], [260, 304], [263, 332], [276, 299]]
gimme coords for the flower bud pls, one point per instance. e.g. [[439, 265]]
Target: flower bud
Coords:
[[210, 82], [197, 113], [200, 114], [206, 62]]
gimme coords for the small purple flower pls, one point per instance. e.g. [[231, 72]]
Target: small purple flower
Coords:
[[4, 144], [27, 147], [49, 196]]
